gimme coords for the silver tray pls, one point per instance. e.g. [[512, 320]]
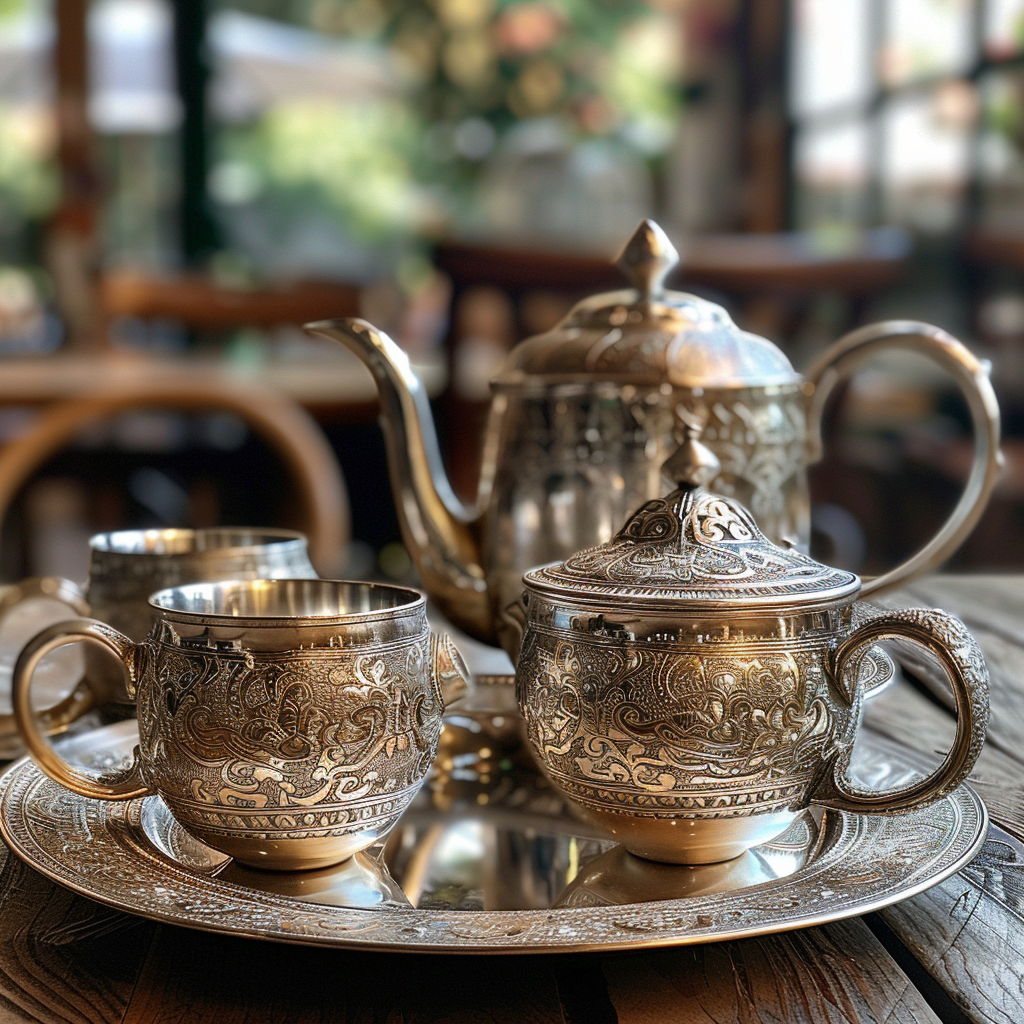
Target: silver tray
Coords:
[[488, 859]]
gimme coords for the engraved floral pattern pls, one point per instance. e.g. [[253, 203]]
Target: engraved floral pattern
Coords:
[[288, 744], [688, 546], [869, 861], [576, 462], [664, 728]]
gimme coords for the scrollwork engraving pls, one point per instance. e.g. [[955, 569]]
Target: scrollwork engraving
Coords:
[[665, 730], [289, 744]]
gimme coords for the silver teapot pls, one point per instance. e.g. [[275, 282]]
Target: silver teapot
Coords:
[[583, 418]]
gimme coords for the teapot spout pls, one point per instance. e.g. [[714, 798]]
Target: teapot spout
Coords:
[[437, 528]]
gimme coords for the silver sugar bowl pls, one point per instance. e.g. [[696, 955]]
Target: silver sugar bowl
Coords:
[[691, 687]]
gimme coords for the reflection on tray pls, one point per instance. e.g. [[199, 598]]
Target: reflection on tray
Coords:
[[361, 881], [617, 877]]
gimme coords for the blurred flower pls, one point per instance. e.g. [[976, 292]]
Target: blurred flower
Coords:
[[468, 58], [419, 45], [464, 13], [602, 73], [957, 104], [526, 28], [537, 89], [596, 115], [365, 18]]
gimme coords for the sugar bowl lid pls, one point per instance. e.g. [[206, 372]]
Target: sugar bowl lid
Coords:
[[692, 551], [647, 335]]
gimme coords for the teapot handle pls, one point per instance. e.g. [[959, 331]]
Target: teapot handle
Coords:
[[972, 376]]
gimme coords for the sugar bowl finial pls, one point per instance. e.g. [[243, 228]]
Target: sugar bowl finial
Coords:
[[692, 464], [647, 259]]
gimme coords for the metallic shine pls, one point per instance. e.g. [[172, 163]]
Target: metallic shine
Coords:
[[512, 873], [584, 416], [289, 736], [125, 567], [693, 688]]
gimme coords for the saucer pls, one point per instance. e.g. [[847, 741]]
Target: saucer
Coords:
[[488, 860]]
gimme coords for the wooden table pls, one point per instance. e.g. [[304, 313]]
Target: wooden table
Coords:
[[327, 384], [952, 954]]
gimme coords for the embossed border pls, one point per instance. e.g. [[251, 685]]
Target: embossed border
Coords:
[[871, 862]]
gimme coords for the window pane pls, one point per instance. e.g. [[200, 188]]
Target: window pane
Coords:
[[831, 55], [1004, 28], [925, 151], [135, 111], [926, 37], [832, 171], [29, 183], [1002, 151]]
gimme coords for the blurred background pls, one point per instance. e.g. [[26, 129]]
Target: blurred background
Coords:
[[183, 183]]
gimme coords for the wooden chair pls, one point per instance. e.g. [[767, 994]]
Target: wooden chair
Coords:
[[200, 303], [319, 484]]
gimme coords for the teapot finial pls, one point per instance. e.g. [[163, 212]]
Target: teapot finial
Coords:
[[692, 464], [647, 258]]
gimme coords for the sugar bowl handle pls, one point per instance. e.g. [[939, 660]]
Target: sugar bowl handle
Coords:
[[961, 658], [120, 785], [448, 671], [971, 376]]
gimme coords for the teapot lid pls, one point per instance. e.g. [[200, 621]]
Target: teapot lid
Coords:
[[647, 335], [693, 550]]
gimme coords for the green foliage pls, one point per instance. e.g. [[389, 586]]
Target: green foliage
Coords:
[[28, 177], [472, 70], [12, 8], [354, 160]]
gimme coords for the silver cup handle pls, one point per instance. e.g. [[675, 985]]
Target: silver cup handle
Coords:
[[961, 658], [123, 784], [81, 699], [971, 375]]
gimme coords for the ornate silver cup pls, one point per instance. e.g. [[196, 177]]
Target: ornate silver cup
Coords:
[[287, 723]]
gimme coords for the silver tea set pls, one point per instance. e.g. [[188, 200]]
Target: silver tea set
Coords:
[[690, 680]]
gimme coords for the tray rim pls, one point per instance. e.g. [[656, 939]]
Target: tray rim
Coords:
[[970, 835]]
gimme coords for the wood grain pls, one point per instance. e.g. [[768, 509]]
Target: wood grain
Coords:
[[992, 607], [63, 958], [902, 714], [968, 932], [838, 972], [66, 959], [995, 602], [191, 976]]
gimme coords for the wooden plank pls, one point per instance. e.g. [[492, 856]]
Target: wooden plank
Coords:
[[902, 714], [838, 972], [968, 932], [63, 958], [993, 609], [996, 602], [191, 976]]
